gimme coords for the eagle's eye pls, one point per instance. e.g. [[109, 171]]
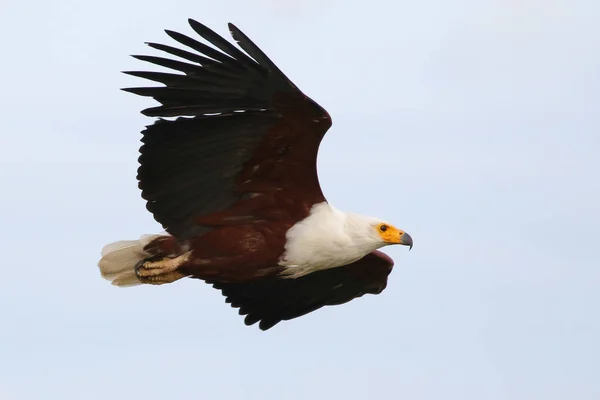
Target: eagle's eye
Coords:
[[383, 228]]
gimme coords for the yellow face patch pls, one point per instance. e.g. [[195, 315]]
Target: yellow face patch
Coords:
[[390, 234]]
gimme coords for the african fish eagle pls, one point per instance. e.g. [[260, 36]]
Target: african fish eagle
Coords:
[[233, 181]]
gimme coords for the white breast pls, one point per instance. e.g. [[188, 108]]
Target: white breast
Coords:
[[327, 238]]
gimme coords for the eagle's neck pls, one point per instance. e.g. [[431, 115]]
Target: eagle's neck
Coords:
[[327, 238]]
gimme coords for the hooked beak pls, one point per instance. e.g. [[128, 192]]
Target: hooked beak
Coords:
[[406, 240]]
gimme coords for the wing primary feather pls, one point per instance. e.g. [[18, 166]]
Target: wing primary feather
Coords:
[[167, 63], [220, 43], [204, 61], [161, 77], [230, 98], [218, 62], [194, 111], [255, 52], [198, 82], [200, 47]]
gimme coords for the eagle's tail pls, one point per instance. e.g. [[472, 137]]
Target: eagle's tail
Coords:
[[120, 258]]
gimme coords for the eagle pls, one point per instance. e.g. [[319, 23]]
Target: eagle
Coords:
[[229, 169]]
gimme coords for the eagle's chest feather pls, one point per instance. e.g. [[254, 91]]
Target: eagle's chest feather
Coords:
[[322, 241]]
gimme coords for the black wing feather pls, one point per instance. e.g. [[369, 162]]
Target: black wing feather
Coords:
[[186, 55], [221, 43], [202, 48], [187, 166], [256, 53], [174, 151], [272, 300]]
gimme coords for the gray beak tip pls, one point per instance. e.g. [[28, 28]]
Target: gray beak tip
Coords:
[[407, 241]]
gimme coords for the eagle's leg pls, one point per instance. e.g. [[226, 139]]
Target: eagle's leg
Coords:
[[159, 270]]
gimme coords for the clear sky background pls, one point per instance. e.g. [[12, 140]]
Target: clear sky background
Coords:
[[473, 125]]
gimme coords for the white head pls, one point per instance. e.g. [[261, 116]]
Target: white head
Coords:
[[374, 232], [330, 238]]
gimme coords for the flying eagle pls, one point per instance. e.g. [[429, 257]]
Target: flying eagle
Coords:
[[233, 181]]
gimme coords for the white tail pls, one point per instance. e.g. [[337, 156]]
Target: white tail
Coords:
[[119, 259]]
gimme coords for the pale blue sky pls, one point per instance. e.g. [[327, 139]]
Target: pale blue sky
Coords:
[[473, 125]]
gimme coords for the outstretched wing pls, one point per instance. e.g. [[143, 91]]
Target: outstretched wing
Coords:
[[245, 144], [272, 300]]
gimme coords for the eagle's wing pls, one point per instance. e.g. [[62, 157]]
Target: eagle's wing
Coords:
[[244, 147], [272, 300]]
